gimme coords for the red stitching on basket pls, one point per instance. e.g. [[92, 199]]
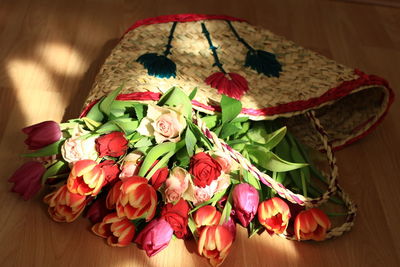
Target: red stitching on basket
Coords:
[[342, 90], [179, 18]]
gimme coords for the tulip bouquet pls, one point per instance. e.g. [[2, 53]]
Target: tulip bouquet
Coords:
[[145, 172]]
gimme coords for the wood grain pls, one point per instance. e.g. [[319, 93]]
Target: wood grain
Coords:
[[50, 53]]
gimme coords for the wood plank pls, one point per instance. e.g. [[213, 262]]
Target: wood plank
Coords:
[[50, 54]]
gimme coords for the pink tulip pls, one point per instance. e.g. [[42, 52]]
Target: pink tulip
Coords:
[[42, 134], [27, 179], [245, 203], [155, 236]]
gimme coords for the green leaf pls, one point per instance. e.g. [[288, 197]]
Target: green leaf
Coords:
[[128, 125], [268, 160], [139, 110], [95, 113], [198, 133], [56, 168], [175, 97], [108, 127], [273, 139], [161, 163], [229, 129], [257, 133], [192, 227], [240, 119], [230, 108], [210, 121], [213, 201], [283, 149], [143, 142], [91, 124], [226, 213], [106, 103], [193, 94], [121, 107], [183, 158], [154, 154], [250, 179], [49, 150], [190, 140]]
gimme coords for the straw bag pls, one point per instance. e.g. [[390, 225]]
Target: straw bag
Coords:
[[326, 105]]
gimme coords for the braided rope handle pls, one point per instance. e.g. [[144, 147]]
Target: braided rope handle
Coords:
[[281, 190], [269, 181]]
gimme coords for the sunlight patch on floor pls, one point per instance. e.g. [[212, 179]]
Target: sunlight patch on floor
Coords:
[[61, 59]]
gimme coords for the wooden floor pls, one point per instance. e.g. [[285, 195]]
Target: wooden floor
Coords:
[[50, 52]]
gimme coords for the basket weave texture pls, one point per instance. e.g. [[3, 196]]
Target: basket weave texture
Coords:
[[348, 102]]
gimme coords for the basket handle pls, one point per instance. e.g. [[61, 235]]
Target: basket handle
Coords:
[[269, 181], [333, 188]]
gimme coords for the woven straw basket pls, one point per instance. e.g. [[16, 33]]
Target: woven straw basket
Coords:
[[342, 104]]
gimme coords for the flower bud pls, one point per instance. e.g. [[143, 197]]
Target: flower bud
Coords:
[[245, 202], [311, 224], [42, 134], [155, 236], [27, 179]]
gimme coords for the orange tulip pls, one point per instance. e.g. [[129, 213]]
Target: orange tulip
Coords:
[[137, 199], [274, 215], [65, 206], [311, 224], [86, 178], [113, 195], [118, 231], [207, 215], [215, 243]]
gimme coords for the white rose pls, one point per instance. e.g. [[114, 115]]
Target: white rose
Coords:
[[165, 124], [75, 149]]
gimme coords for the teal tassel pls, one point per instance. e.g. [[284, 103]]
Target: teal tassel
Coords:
[[259, 60], [263, 62], [158, 65]]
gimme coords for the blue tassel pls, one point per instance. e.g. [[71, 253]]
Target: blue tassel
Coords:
[[263, 62], [158, 65]]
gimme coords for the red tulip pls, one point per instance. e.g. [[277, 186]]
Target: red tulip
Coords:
[[27, 179], [245, 203], [97, 210], [311, 224], [207, 215], [65, 206], [274, 215], [42, 134], [137, 199], [118, 231], [159, 177], [215, 243], [155, 236], [86, 178]]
